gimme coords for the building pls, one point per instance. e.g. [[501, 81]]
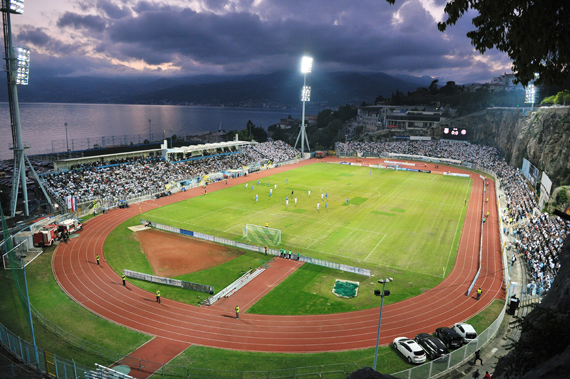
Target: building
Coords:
[[376, 117]]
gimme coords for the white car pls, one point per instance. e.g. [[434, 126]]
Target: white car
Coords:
[[410, 349], [466, 331]]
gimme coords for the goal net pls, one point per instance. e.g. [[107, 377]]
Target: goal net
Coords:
[[262, 234]]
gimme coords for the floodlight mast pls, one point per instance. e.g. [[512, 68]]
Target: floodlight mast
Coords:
[[16, 7], [306, 67]]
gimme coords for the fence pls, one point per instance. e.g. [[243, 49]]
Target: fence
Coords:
[[455, 358], [169, 281], [236, 285], [259, 249], [63, 368]]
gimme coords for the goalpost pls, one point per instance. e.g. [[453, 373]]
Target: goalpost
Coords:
[[262, 234]]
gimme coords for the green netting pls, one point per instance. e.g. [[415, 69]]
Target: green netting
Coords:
[[345, 288]]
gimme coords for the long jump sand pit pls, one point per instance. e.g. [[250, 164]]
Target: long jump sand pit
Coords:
[[171, 255]]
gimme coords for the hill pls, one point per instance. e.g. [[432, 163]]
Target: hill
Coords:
[[279, 89]]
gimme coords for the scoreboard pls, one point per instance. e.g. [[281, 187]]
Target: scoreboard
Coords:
[[460, 134]]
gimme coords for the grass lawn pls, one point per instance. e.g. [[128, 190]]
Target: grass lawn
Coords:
[[50, 301], [196, 357], [402, 220], [123, 251], [309, 291], [485, 318], [393, 216]]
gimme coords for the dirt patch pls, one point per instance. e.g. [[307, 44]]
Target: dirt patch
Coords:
[[172, 254]]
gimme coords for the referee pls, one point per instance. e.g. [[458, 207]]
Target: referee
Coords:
[[124, 277]]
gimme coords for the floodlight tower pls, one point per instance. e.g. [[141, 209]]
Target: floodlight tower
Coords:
[[530, 93], [306, 67], [17, 70]]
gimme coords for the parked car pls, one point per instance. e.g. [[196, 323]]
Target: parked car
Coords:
[[449, 337], [410, 350], [466, 331], [432, 345]]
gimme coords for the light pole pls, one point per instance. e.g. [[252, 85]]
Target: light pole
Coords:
[[164, 133], [306, 67], [66, 140], [381, 294]]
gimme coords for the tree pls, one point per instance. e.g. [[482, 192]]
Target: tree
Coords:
[[534, 33], [433, 89]]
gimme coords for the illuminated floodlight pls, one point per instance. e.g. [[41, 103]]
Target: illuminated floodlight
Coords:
[[306, 93], [17, 6], [23, 66], [530, 92], [306, 64]]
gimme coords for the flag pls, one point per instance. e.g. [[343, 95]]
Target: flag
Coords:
[[71, 203]]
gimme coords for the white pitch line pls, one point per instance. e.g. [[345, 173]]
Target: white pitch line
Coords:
[[455, 235], [375, 247], [434, 176]]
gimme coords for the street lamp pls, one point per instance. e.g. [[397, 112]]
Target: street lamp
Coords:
[[306, 67], [170, 130], [381, 294], [66, 140]]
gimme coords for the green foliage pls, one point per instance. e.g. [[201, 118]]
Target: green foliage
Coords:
[[548, 100], [562, 196], [505, 26]]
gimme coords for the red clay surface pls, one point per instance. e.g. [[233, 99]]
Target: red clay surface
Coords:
[[172, 254], [279, 269], [143, 361], [95, 288]]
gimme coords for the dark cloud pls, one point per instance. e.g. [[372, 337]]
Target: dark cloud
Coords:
[[77, 21], [112, 10], [261, 36], [38, 38]]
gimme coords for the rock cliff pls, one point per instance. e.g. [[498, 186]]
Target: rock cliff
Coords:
[[543, 350], [542, 137]]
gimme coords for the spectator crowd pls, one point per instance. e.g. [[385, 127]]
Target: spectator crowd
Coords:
[[126, 178], [538, 238]]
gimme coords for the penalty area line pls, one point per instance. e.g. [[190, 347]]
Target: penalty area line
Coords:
[[375, 247]]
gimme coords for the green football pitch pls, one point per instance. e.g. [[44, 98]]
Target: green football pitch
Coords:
[[403, 220]]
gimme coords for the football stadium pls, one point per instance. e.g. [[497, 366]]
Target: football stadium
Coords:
[[272, 267]]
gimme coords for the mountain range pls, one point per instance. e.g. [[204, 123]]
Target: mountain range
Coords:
[[278, 89]]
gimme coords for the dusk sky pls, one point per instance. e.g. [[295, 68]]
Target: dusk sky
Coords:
[[231, 37]]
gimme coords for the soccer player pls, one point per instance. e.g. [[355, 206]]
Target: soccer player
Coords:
[[347, 200], [246, 184], [318, 205], [287, 201], [252, 187], [295, 201], [309, 192], [255, 197], [322, 195], [258, 182], [270, 192], [286, 181], [275, 186], [326, 205], [326, 195]]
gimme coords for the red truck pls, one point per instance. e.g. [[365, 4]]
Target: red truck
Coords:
[[46, 236]]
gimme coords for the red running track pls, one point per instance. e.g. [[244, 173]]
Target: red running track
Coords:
[[99, 290]]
